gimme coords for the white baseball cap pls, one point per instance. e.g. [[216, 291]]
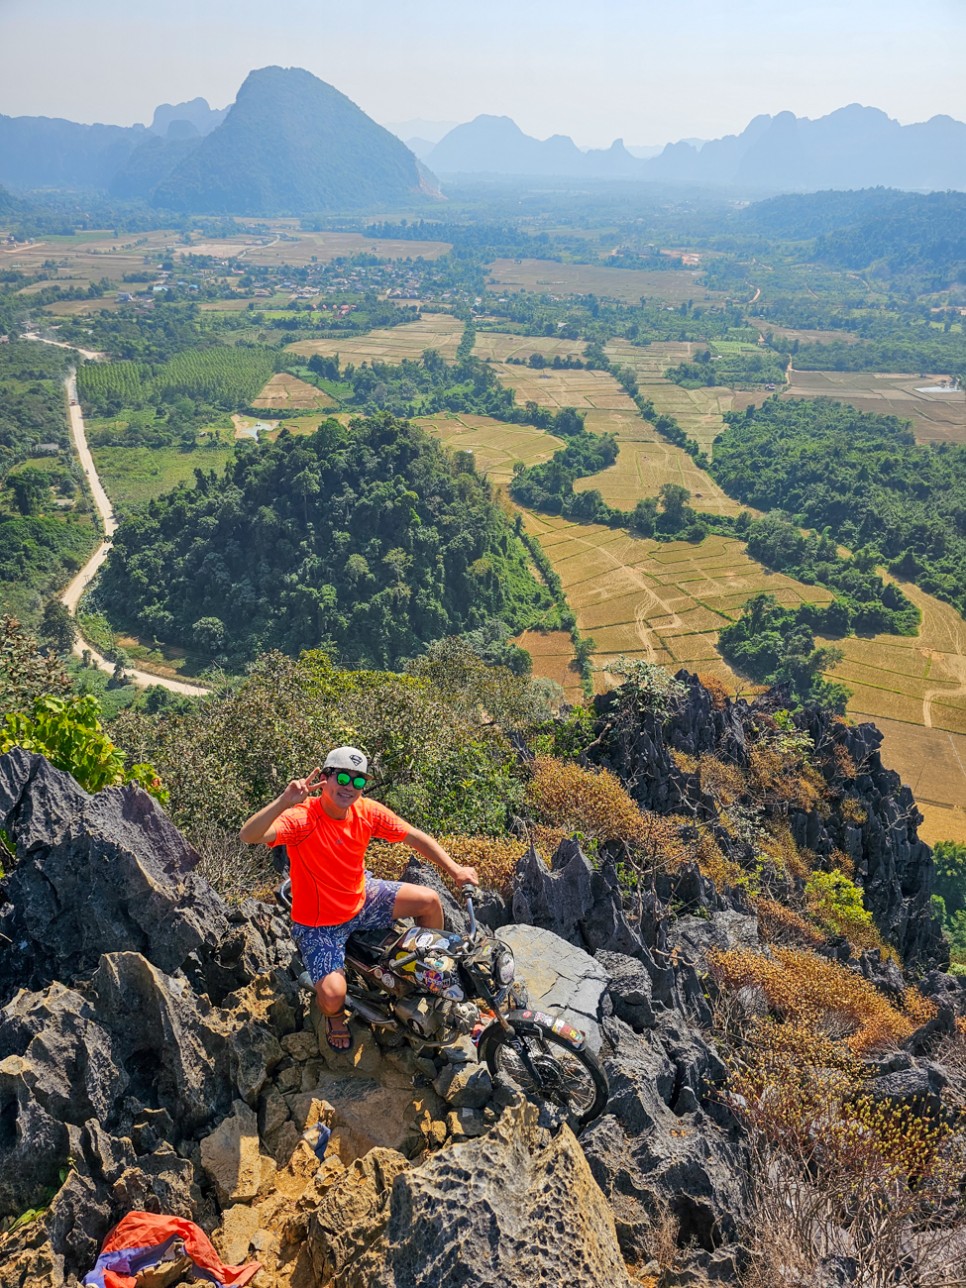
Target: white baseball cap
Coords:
[[348, 758]]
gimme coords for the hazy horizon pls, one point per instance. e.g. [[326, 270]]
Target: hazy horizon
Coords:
[[636, 71]]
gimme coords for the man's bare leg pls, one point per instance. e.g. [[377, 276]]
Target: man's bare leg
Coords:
[[419, 902], [330, 995]]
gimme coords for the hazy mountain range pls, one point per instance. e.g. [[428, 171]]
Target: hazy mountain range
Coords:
[[291, 144], [854, 147]]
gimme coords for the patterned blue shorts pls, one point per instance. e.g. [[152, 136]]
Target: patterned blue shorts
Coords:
[[323, 947]]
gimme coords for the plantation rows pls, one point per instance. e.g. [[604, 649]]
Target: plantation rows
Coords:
[[224, 377]]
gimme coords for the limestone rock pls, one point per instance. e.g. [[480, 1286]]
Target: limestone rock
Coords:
[[95, 874], [346, 1234], [230, 1155], [463, 1086], [516, 1206], [239, 1226]]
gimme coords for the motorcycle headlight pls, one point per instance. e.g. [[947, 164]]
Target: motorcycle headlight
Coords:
[[503, 966]]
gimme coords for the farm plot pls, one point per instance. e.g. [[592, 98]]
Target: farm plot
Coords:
[[553, 657], [497, 346], [914, 689], [297, 248], [284, 391], [132, 476], [662, 602], [699, 412], [556, 389], [937, 417], [496, 446], [439, 331], [546, 277], [644, 464]]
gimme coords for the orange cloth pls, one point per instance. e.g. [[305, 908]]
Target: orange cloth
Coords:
[[327, 856]]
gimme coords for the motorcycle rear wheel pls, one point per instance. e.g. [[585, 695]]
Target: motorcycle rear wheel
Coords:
[[570, 1079]]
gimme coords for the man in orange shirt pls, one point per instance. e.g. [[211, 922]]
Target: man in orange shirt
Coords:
[[326, 823]]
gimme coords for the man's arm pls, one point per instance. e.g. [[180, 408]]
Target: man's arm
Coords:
[[260, 828], [428, 848]]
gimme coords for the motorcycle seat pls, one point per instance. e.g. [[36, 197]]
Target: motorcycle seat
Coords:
[[371, 945]]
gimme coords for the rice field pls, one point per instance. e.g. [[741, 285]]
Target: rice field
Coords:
[[547, 277], [936, 417], [496, 446], [497, 346], [664, 602], [584, 390], [914, 689], [438, 331], [645, 463], [553, 658], [288, 246], [699, 412], [667, 602], [284, 391]]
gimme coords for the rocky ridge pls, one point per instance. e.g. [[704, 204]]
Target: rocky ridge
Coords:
[[155, 1050]]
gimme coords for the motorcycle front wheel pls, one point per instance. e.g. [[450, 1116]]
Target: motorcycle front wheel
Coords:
[[534, 1060]]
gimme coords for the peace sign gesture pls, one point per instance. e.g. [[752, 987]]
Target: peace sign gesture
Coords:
[[300, 789]]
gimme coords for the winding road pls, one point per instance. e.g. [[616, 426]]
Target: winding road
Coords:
[[71, 595]]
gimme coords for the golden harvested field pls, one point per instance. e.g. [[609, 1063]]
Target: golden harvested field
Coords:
[[936, 417], [645, 463], [88, 257], [497, 346], [495, 445], [556, 389], [664, 602], [284, 391], [546, 277], [438, 331], [699, 412], [667, 602], [914, 689], [298, 248], [553, 657], [74, 308]]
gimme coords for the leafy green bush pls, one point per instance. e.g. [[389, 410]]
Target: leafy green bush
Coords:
[[68, 732]]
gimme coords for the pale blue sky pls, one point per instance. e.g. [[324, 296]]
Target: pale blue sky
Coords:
[[643, 70]]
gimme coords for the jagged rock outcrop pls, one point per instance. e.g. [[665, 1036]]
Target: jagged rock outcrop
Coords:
[[94, 874], [877, 833]]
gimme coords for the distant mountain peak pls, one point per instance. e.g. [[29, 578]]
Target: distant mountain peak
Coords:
[[292, 144]]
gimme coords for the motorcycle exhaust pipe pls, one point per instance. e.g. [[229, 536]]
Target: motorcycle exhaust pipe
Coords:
[[369, 1013]]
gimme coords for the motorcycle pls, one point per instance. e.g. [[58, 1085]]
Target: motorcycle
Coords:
[[434, 986]]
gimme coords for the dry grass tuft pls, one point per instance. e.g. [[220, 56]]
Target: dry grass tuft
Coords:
[[595, 804], [778, 924], [820, 995], [724, 781], [719, 691]]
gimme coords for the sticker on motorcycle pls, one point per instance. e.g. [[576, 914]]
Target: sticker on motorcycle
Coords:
[[560, 1027], [431, 979]]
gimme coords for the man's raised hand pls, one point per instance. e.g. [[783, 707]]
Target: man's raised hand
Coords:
[[300, 789]]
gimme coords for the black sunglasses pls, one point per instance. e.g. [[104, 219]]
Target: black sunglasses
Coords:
[[358, 781]]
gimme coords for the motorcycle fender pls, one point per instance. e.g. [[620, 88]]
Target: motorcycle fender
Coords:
[[529, 1021]]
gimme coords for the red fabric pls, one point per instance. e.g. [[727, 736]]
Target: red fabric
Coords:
[[327, 856], [147, 1229]]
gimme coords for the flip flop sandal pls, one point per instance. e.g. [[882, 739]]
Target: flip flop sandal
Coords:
[[331, 1032]]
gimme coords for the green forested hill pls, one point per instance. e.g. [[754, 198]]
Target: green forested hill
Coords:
[[369, 540]]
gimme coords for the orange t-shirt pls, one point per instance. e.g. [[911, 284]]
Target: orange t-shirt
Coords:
[[326, 856]]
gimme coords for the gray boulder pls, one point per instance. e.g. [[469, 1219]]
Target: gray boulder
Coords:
[[559, 977]]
